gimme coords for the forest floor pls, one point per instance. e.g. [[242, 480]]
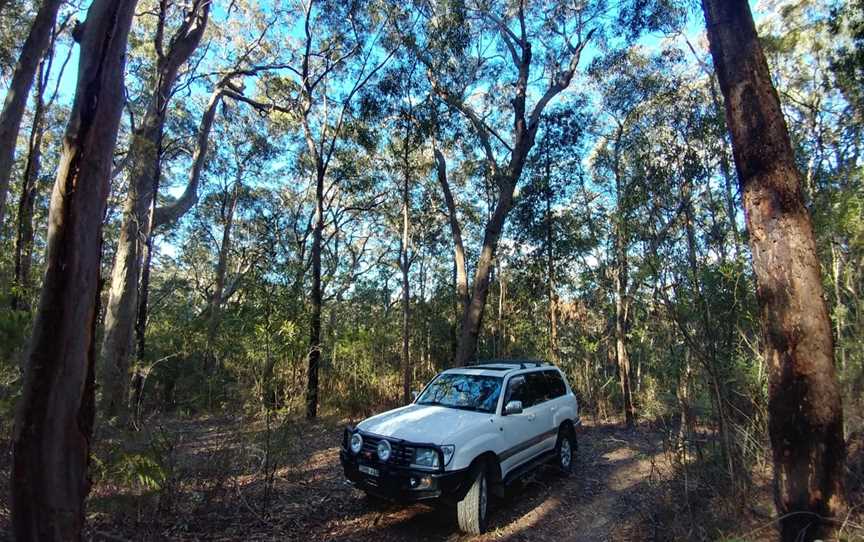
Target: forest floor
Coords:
[[219, 479]]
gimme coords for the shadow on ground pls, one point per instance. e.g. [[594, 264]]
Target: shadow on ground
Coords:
[[219, 490], [221, 479]]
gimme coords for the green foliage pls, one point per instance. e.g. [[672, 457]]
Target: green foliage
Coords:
[[143, 461], [848, 60], [636, 151], [139, 470]]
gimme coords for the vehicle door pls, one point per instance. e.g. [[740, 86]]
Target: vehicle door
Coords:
[[542, 411], [560, 405], [520, 433]]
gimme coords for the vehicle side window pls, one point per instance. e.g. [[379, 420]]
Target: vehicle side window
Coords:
[[556, 384], [517, 390], [538, 388]]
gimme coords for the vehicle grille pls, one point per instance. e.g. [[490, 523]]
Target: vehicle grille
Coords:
[[401, 455]]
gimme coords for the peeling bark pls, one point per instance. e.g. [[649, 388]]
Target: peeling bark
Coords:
[[805, 412]]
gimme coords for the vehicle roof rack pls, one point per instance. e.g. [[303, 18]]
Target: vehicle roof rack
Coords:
[[522, 363]]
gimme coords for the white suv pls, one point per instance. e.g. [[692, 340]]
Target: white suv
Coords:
[[469, 429]]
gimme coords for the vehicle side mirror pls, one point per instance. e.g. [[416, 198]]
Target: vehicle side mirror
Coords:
[[513, 407], [414, 394]]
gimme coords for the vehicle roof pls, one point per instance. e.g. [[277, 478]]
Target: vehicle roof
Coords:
[[501, 367]]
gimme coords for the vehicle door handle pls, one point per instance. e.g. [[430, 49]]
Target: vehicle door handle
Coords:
[[531, 417]]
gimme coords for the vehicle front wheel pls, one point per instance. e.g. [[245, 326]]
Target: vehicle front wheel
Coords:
[[565, 450], [471, 511]]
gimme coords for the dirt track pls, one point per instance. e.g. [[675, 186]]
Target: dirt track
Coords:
[[624, 489], [596, 503], [617, 493]]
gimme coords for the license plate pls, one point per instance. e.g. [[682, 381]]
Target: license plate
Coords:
[[368, 470]]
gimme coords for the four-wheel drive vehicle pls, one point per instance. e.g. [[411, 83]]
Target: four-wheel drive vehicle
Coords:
[[470, 429]]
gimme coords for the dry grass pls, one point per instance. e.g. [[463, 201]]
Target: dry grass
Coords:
[[229, 479]]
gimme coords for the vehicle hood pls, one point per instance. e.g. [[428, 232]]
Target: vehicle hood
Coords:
[[425, 424]]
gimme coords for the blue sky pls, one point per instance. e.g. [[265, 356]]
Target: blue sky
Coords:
[[694, 30]]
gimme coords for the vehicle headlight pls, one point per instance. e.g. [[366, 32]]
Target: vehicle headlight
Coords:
[[384, 450], [356, 443], [426, 457]]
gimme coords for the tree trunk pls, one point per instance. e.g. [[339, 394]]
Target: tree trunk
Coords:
[[54, 419], [314, 357], [728, 194], [174, 211], [222, 264], [501, 345], [708, 337], [473, 319], [404, 267], [524, 133], [19, 88], [455, 231], [27, 200], [161, 216], [135, 231], [621, 276], [144, 291], [805, 412], [143, 302], [839, 308], [686, 425], [621, 310], [550, 268]]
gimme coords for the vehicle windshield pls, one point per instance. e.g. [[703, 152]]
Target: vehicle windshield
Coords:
[[463, 391]]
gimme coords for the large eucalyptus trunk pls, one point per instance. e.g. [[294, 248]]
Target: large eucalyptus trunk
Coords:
[[505, 176], [144, 150], [19, 88], [54, 418], [473, 318], [805, 412]]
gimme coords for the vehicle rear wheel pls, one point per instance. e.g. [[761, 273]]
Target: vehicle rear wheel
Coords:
[[565, 450], [471, 511]]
